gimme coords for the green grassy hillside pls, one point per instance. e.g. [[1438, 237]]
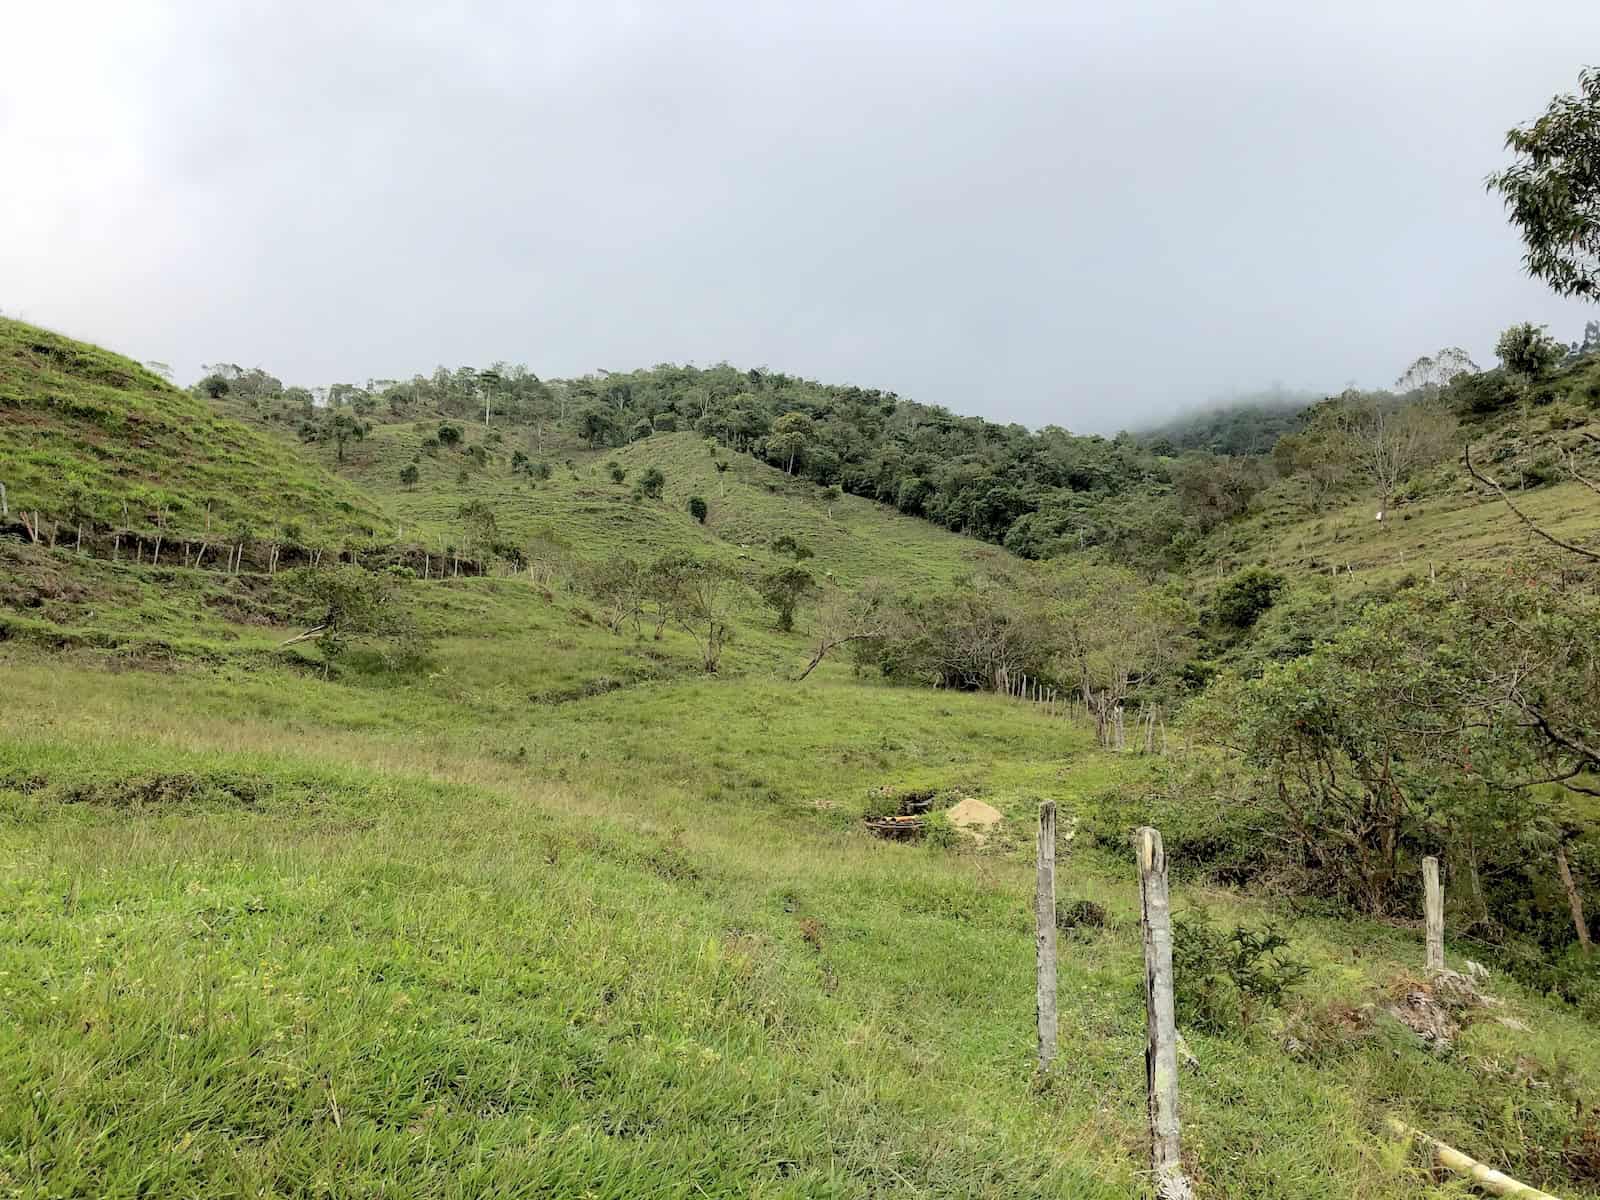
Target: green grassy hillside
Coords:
[[750, 505], [554, 913], [89, 436], [297, 935]]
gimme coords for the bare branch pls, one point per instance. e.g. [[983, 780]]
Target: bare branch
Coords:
[[1466, 457]]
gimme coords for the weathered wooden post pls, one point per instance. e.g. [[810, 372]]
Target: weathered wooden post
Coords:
[[1045, 934], [1161, 1042], [1433, 913]]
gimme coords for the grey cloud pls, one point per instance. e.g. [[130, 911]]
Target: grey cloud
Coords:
[[1071, 213]]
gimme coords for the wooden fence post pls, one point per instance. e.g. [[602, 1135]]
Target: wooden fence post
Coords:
[[1044, 907], [1433, 913], [1161, 1042]]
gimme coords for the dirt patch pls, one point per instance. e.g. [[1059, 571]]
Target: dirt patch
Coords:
[[973, 815]]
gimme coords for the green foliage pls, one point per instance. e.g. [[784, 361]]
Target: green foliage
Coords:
[[409, 475], [792, 546], [1240, 599], [1248, 426], [1528, 351], [448, 435], [1223, 981], [697, 508], [783, 589], [1552, 190], [350, 608], [651, 483], [616, 470]]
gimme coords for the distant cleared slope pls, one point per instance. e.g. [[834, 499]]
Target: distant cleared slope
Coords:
[[87, 435], [750, 504]]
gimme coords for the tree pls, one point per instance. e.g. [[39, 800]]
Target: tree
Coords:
[[791, 434], [449, 435], [409, 475], [864, 615], [697, 595], [598, 426], [351, 606], [1242, 597], [831, 495], [621, 586], [1436, 370], [1447, 717], [698, 509], [338, 427], [722, 473], [479, 526], [783, 589], [1527, 351], [1382, 441], [651, 483], [1117, 633], [1552, 190]]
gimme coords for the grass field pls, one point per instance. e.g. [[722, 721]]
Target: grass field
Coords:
[[264, 934]]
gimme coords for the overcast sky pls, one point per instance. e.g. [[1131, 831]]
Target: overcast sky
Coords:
[[1073, 213]]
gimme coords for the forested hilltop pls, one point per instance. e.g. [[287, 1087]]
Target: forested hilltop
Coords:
[[1146, 501]]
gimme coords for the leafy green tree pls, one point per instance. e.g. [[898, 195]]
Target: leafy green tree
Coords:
[[1528, 351], [651, 483], [791, 434], [787, 543], [336, 426], [698, 509], [352, 607], [479, 526], [1552, 190], [449, 435], [598, 426], [698, 596], [409, 475], [783, 589]]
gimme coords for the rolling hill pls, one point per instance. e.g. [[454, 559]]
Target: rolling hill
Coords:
[[552, 911]]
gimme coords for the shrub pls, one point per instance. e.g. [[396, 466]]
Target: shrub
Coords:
[[1245, 595], [616, 470], [651, 483], [409, 475], [1217, 975], [449, 435], [697, 509]]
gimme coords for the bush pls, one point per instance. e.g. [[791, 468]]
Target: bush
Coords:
[[615, 469], [449, 435], [698, 509], [1220, 980], [651, 483], [1245, 595]]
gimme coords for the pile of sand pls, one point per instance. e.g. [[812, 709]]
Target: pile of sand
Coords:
[[973, 814]]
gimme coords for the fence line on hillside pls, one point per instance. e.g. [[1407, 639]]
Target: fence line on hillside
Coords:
[[224, 555], [1163, 1043]]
